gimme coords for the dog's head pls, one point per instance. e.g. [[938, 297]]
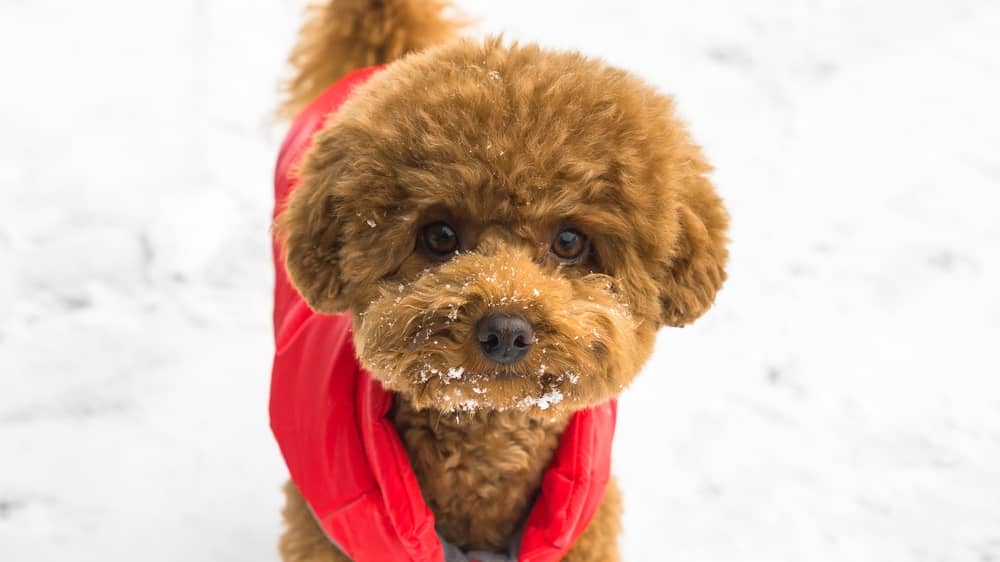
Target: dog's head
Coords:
[[508, 226]]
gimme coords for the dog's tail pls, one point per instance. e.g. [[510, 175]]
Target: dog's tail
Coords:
[[342, 35]]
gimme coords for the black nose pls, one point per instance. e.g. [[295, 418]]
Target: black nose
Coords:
[[504, 338]]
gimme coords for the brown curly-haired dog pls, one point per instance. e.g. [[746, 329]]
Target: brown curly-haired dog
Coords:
[[547, 191]]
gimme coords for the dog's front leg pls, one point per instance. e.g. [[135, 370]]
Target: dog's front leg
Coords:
[[303, 540]]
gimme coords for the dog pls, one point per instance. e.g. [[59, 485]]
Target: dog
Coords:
[[476, 242]]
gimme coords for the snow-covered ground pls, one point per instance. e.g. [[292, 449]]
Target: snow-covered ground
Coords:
[[840, 403]]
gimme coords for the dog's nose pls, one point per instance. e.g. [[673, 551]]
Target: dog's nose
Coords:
[[504, 338]]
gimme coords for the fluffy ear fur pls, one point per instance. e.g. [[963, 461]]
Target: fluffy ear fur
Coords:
[[696, 271], [310, 229]]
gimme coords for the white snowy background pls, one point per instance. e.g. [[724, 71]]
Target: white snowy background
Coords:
[[841, 402]]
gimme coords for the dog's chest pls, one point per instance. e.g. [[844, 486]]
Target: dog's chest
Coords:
[[479, 473]]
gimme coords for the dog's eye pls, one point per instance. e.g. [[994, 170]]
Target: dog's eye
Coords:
[[569, 245], [439, 239]]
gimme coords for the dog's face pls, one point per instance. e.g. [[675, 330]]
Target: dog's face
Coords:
[[508, 226]]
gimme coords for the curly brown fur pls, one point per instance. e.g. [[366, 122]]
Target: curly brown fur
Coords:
[[478, 471], [341, 35], [508, 144]]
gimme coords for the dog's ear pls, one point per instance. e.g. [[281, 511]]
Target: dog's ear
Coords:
[[696, 270], [311, 231]]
